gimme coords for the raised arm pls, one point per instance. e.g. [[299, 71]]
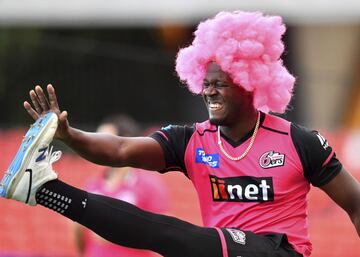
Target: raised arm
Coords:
[[104, 149], [110, 150], [344, 189]]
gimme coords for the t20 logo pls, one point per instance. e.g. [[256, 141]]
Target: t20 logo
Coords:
[[209, 159]]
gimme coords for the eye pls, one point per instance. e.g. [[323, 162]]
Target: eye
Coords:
[[206, 84], [221, 84]]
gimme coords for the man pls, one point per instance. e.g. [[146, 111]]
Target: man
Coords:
[[252, 170], [145, 190]]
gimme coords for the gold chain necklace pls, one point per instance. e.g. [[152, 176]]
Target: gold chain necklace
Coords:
[[247, 149]]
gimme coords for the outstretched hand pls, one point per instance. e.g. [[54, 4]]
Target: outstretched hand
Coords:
[[42, 104]]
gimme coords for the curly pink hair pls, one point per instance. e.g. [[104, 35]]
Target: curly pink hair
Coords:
[[246, 45]]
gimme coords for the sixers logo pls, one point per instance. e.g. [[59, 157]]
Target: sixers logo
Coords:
[[272, 159]]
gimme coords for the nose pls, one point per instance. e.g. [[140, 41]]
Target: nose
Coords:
[[210, 90]]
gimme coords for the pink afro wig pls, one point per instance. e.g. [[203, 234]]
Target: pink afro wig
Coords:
[[246, 45]]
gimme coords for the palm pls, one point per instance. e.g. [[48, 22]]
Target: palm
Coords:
[[42, 104]]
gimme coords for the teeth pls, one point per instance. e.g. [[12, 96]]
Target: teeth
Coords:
[[214, 105]]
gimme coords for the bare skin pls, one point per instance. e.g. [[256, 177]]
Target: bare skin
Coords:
[[100, 148], [221, 97], [228, 104], [344, 190]]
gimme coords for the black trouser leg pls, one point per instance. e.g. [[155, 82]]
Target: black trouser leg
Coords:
[[127, 225]]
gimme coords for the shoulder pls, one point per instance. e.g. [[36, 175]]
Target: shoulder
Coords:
[[307, 137], [173, 132], [178, 129], [317, 156], [275, 123], [203, 127], [199, 127]]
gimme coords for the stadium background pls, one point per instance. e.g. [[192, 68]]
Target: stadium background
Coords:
[[118, 56]]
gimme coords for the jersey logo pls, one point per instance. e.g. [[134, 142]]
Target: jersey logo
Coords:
[[213, 160], [242, 189], [324, 143], [237, 235], [272, 159]]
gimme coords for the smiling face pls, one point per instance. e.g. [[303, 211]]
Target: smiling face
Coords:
[[225, 101]]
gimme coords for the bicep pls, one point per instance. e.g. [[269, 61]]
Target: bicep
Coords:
[[142, 152], [344, 189]]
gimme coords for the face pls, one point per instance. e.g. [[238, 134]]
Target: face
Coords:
[[225, 101]]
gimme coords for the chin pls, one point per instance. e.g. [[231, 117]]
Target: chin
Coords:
[[216, 121]]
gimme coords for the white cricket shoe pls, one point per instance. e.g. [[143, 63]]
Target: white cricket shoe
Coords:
[[31, 167]]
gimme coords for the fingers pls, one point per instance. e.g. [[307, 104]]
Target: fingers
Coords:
[[41, 103], [42, 99], [52, 98], [34, 114], [35, 101]]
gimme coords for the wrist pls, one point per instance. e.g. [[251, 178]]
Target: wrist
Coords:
[[67, 135]]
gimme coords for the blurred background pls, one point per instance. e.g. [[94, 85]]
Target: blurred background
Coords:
[[106, 57]]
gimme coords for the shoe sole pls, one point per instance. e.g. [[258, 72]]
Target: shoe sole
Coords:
[[16, 169]]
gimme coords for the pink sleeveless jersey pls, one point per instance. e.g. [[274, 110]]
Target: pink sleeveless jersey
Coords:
[[265, 192]]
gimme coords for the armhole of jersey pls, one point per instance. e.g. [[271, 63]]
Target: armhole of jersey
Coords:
[[178, 149], [293, 130], [317, 157], [189, 132], [188, 158], [296, 151]]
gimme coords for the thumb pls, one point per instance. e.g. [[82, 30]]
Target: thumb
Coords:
[[63, 116], [62, 131]]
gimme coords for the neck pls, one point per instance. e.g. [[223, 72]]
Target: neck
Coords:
[[243, 126]]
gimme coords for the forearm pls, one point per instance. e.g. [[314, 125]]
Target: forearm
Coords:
[[98, 148], [353, 206], [355, 218], [344, 189]]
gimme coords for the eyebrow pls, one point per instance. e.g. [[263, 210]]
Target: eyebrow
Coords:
[[218, 80]]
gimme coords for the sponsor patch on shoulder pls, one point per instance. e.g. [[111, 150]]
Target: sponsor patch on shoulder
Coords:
[[209, 159], [237, 235]]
